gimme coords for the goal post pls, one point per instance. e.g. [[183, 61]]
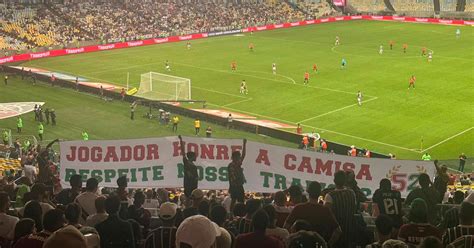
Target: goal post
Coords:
[[158, 86]]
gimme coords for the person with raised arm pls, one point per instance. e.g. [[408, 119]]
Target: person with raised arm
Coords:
[[191, 176], [236, 176]]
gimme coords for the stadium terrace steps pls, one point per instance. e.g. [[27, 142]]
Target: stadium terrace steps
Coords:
[[389, 5]]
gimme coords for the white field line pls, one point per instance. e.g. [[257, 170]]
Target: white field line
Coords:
[[237, 102], [269, 79], [315, 128], [447, 139], [114, 83], [336, 110]]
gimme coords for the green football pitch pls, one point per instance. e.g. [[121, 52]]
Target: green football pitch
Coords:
[[435, 117]]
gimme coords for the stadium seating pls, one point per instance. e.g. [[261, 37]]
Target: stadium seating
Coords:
[[413, 5], [469, 6], [369, 5], [448, 5]]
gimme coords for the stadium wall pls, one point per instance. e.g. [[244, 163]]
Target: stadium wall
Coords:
[[119, 45]]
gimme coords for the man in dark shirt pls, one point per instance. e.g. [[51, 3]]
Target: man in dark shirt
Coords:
[[441, 180], [384, 228], [428, 194], [67, 196], [115, 232], [343, 203], [46, 115], [236, 176], [191, 177], [321, 218], [389, 202], [52, 113]]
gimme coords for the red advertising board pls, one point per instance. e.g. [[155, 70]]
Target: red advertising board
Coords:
[[339, 2], [86, 49]]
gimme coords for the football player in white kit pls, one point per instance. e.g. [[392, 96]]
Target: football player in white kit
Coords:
[[167, 66], [458, 33], [381, 50], [430, 56], [274, 69], [337, 41], [243, 88], [359, 98]]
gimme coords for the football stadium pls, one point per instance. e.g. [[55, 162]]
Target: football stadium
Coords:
[[276, 123]]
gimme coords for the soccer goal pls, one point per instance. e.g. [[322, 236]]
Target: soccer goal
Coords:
[[158, 86]]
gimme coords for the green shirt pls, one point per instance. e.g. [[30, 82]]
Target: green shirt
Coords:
[[426, 157], [40, 129], [85, 136], [5, 136], [19, 122]]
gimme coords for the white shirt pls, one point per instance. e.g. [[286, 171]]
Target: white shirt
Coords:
[[94, 219], [226, 203], [7, 225], [87, 201], [30, 172]]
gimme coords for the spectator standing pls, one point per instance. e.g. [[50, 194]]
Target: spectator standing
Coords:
[[67, 196], [418, 228], [39, 193], [87, 199], [115, 232], [441, 180], [465, 227], [462, 162], [299, 129], [100, 215], [236, 176], [7, 222], [5, 79], [343, 203], [257, 238], [122, 94], [191, 177], [53, 221], [389, 202], [165, 235], [320, 217], [428, 194], [132, 110], [197, 196], [68, 236], [72, 214]]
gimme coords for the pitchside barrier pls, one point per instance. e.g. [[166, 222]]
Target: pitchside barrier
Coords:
[[145, 42], [236, 124]]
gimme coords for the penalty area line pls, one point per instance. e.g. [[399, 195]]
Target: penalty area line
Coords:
[[447, 139], [336, 110], [315, 128]]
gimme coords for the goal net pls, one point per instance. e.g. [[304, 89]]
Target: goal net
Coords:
[[157, 86]]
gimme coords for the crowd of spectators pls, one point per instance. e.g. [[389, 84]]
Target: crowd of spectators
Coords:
[[108, 21], [35, 211], [413, 5], [369, 5]]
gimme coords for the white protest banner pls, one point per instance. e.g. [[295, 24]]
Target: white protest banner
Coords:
[[157, 163]]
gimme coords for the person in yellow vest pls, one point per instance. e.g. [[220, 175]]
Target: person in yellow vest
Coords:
[[197, 126], [40, 131], [175, 121]]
